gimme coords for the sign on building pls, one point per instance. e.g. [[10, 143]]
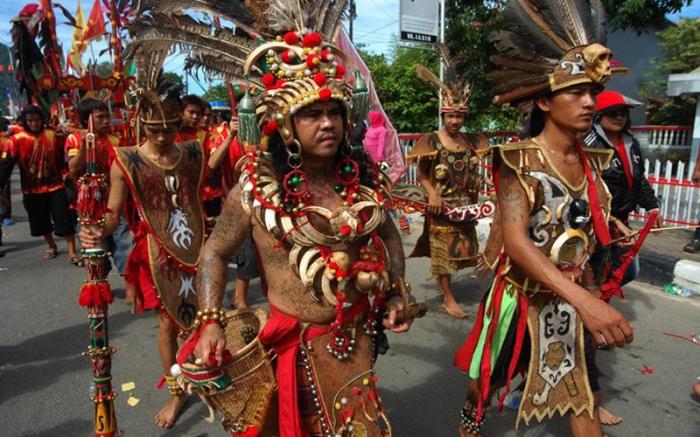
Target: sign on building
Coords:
[[419, 20]]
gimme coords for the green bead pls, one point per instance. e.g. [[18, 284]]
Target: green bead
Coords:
[[347, 168], [295, 180], [338, 188]]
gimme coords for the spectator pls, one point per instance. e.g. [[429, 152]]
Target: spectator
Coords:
[[375, 138], [40, 158], [624, 177], [5, 200]]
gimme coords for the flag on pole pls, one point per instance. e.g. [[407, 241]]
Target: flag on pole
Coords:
[[95, 26], [78, 46]]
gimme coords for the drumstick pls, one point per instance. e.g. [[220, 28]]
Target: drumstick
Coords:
[[655, 230]]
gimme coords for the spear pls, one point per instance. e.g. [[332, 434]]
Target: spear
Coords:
[[95, 294]]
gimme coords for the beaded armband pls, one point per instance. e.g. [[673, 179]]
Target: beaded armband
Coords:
[[210, 314]]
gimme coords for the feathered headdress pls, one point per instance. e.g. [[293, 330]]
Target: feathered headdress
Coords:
[[280, 47], [455, 89], [550, 45]]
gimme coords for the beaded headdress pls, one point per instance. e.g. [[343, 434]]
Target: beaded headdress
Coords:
[[281, 48], [550, 45]]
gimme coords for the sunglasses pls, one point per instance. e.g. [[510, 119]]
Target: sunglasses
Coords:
[[618, 113]]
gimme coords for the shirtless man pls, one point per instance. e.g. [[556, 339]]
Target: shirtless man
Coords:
[[164, 180]]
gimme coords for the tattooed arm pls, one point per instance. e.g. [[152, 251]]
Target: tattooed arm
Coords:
[[232, 227], [397, 265], [606, 324]]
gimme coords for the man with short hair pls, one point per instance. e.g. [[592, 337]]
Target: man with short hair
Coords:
[[164, 179], [40, 158]]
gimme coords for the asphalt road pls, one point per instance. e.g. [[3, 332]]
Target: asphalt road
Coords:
[[44, 380]]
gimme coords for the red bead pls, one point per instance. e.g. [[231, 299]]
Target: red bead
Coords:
[[345, 230], [268, 79], [313, 60], [312, 40], [288, 56], [291, 38], [339, 72], [325, 94], [320, 79], [325, 54]]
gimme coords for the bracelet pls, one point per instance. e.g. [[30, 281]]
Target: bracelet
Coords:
[[211, 315], [468, 419]]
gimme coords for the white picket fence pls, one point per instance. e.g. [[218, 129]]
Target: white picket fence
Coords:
[[679, 197]]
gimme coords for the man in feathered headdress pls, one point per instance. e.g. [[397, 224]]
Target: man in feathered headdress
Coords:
[[163, 179], [448, 172], [542, 312], [317, 210]]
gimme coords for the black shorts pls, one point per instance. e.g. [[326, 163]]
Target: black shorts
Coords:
[[48, 212]]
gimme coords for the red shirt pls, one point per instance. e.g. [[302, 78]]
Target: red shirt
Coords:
[[104, 149], [40, 160], [622, 151]]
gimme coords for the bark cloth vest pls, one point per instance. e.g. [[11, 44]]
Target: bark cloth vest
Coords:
[[561, 227], [454, 175], [171, 231]]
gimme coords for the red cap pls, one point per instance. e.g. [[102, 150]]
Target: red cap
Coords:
[[609, 99]]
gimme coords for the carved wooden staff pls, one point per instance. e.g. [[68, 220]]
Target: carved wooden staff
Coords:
[[95, 294]]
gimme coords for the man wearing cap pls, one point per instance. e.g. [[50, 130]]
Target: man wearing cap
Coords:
[[624, 177]]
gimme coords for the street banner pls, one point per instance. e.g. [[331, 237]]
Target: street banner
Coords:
[[419, 20]]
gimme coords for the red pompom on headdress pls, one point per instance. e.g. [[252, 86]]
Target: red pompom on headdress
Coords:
[[313, 39], [291, 38], [325, 94]]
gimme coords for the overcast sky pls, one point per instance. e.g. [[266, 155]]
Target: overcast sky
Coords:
[[376, 27]]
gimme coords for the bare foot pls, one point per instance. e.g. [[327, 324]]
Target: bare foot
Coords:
[[607, 418], [168, 415], [453, 309], [463, 433]]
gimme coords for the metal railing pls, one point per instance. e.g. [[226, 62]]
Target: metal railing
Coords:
[[679, 196]]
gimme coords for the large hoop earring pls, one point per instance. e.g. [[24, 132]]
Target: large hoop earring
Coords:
[[294, 159]]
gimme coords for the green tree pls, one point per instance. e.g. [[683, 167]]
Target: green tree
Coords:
[[680, 48], [216, 92], [410, 103], [467, 35], [641, 14], [173, 78]]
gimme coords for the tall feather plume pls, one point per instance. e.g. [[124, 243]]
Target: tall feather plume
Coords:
[[539, 34], [425, 74]]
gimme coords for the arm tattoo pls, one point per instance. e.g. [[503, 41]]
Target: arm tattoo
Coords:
[[232, 227], [394, 246]]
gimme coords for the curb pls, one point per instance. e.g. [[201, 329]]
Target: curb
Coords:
[[656, 268], [659, 269]]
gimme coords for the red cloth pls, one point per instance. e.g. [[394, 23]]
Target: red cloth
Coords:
[[40, 160], [600, 223], [104, 144], [622, 151], [283, 334], [137, 273]]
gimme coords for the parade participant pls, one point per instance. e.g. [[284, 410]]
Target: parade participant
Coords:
[[120, 242], [541, 311], [208, 120], [40, 158], [316, 208], [5, 195], [105, 142], [624, 177], [164, 179], [193, 109], [447, 171]]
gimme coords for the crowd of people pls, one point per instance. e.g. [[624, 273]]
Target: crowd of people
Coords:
[[282, 190]]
